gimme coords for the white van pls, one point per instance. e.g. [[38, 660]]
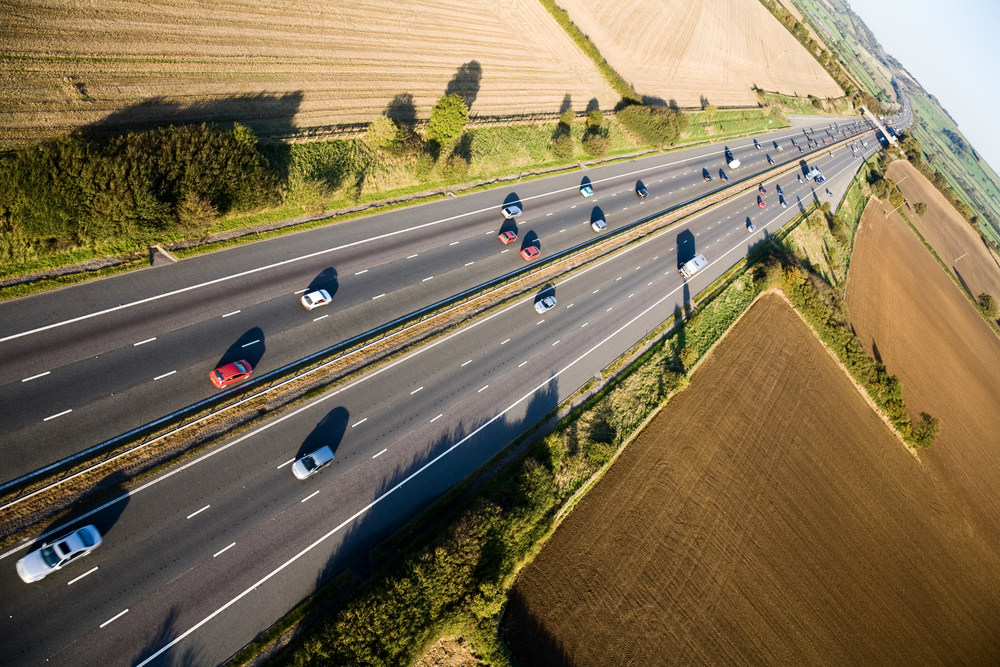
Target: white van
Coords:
[[696, 264]]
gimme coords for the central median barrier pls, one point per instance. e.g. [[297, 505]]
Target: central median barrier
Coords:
[[145, 450]]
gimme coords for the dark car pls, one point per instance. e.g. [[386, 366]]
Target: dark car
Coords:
[[762, 189], [705, 176], [723, 176], [641, 190]]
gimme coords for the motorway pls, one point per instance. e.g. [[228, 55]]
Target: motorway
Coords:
[[197, 561], [84, 364]]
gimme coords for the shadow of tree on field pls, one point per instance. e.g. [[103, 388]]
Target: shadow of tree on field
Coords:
[[466, 81], [403, 110], [264, 113], [527, 636]]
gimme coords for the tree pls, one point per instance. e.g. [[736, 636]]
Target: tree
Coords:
[[567, 118], [595, 118], [926, 432], [989, 306], [448, 118], [920, 208], [382, 132]]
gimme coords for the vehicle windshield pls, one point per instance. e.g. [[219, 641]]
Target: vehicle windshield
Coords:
[[241, 367], [49, 556], [308, 463]]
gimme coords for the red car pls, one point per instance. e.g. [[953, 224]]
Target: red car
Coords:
[[223, 376], [762, 189], [760, 202], [530, 253], [507, 237]]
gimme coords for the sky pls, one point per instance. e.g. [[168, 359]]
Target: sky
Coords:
[[951, 48]]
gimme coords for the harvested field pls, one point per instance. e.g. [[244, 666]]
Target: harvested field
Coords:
[[765, 516], [930, 336], [277, 67], [685, 50], [948, 232]]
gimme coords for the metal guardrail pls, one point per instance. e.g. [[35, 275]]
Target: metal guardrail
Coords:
[[318, 360]]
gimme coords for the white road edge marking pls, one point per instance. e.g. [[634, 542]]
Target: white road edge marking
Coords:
[[35, 377], [114, 618], [311, 495], [378, 297], [359, 423], [238, 311], [426, 279], [73, 581], [199, 511], [160, 377], [64, 412], [381, 453], [436, 418], [469, 263], [219, 553], [143, 342]]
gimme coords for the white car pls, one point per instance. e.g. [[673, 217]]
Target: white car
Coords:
[[599, 225], [315, 299], [58, 553], [310, 464], [545, 305], [511, 211]]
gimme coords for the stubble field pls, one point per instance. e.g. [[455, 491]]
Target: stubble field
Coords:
[[717, 49], [930, 336], [279, 66], [765, 516], [947, 232]]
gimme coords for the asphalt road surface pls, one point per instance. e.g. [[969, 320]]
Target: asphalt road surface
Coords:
[[86, 363], [199, 560]]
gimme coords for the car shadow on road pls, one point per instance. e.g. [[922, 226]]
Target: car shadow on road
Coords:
[[326, 279], [531, 239], [249, 347], [685, 248], [329, 431]]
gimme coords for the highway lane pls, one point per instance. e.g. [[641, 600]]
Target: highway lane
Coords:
[[235, 523], [148, 360]]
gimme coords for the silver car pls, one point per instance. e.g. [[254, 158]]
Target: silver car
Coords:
[[599, 225], [310, 464], [315, 299], [546, 304], [58, 553]]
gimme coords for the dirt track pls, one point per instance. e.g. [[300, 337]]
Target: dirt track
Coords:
[[948, 232], [278, 66], [765, 516], [929, 335], [684, 50]]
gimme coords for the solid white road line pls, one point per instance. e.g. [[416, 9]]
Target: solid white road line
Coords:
[[380, 453], [114, 618], [469, 263], [199, 511], [483, 389], [426, 279], [238, 311], [412, 256], [454, 243], [160, 377], [521, 364], [359, 423], [436, 418], [378, 297], [35, 377], [73, 581], [285, 463], [314, 493], [358, 273], [253, 342], [219, 553], [64, 412], [143, 342]]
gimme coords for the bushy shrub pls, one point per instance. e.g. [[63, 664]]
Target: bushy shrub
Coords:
[[448, 118], [595, 144], [655, 126], [562, 146]]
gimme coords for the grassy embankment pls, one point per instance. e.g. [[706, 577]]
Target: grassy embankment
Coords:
[[455, 580]]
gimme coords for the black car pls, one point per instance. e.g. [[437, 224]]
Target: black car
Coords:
[[641, 190]]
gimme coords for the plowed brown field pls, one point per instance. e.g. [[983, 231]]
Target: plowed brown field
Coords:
[[948, 232], [930, 336], [765, 516], [684, 50], [274, 65]]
